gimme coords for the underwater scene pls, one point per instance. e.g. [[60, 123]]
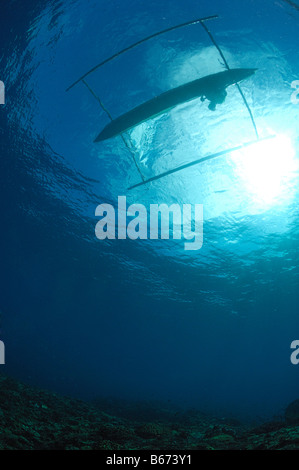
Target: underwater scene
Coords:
[[150, 228]]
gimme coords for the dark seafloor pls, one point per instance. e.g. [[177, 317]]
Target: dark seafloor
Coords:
[[33, 419]]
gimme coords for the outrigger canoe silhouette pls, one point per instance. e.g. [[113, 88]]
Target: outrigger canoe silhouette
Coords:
[[212, 87]]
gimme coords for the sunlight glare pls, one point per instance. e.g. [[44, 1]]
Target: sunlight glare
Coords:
[[266, 168]]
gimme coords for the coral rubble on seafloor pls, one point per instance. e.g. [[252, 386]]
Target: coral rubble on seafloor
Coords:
[[35, 419]]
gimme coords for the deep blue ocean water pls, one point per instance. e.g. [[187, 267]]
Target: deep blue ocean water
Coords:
[[145, 319]]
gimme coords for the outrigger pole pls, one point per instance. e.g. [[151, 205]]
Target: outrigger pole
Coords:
[[110, 117], [201, 160], [228, 68], [126, 49], [293, 4]]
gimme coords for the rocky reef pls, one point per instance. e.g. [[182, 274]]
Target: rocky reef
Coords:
[[32, 419]]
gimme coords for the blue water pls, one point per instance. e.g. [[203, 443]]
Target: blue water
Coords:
[[146, 319]]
